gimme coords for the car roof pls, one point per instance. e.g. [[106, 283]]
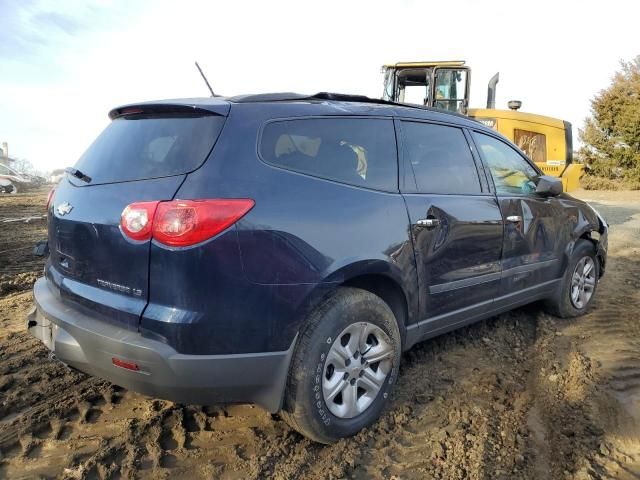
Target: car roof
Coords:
[[323, 103]]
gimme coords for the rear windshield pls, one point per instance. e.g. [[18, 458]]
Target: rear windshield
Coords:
[[142, 146]]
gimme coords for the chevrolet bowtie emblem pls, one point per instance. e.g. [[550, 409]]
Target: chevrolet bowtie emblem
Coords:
[[64, 208]]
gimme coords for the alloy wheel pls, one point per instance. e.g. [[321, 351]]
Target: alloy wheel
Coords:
[[583, 282]]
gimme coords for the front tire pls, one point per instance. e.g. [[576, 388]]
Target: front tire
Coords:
[[344, 367], [579, 283]]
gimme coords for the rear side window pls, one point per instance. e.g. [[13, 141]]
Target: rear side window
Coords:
[[136, 147], [440, 158], [359, 151]]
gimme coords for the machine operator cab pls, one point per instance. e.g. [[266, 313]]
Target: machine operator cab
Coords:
[[443, 85]]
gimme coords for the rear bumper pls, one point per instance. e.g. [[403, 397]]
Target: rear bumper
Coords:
[[91, 345]]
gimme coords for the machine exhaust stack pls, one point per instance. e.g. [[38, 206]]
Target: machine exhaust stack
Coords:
[[491, 91]]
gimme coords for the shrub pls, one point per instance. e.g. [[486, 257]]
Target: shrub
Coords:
[[611, 135]]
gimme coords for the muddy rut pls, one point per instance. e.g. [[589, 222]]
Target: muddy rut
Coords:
[[523, 395]]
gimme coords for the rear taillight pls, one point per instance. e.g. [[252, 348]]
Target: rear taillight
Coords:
[[181, 223], [50, 197], [136, 220]]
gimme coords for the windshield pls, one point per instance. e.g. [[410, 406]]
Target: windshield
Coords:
[[142, 146]]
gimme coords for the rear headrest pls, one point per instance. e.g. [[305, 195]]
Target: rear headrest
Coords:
[[338, 161]]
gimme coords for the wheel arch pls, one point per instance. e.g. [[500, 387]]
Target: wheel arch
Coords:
[[379, 277], [588, 227], [373, 276], [389, 291], [594, 236], [593, 229]]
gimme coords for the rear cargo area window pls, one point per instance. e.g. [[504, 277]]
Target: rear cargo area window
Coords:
[[138, 147], [358, 152]]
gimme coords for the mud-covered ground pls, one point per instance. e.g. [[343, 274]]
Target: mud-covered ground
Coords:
[[523, 395]]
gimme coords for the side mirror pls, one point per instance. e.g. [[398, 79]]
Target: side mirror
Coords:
[[549, 186]]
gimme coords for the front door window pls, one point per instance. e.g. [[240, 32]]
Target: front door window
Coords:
[[511, 173]]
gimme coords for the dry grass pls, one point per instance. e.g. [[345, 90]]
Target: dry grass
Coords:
[[592, 182]]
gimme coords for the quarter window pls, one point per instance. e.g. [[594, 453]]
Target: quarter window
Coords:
[[359, 151], [440, 158], [511, 173]]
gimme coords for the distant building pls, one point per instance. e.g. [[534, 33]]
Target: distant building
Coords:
[[5, 159]]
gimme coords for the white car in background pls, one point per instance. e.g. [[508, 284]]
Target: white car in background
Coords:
[[12, 181]]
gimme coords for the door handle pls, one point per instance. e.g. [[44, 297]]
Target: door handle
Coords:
[[428, 222], [514, 219]]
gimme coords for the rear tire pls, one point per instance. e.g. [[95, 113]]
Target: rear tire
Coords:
[[350, 328], [579, 283]]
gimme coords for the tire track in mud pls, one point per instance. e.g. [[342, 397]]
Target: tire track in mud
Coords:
[[119, 434], [34, 387], [466, 401], [17, 239], [612, 332], [585, 386]]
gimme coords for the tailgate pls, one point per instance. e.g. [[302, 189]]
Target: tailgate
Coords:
[[143, 155], [90, 260]]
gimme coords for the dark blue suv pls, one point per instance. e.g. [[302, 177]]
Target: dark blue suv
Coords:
[[285, 249]]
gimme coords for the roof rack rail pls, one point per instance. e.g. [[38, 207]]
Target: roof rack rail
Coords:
[[330, 96], [345, 97], [342, 97]]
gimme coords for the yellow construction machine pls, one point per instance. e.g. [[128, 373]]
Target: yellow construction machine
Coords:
[[446, 84]]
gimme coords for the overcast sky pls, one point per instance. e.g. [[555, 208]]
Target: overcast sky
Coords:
[[65, 64]]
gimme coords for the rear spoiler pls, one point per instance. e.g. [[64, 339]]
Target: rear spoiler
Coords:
[[207, 106]]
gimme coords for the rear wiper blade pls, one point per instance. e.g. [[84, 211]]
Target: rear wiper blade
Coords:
[[78, 174]]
